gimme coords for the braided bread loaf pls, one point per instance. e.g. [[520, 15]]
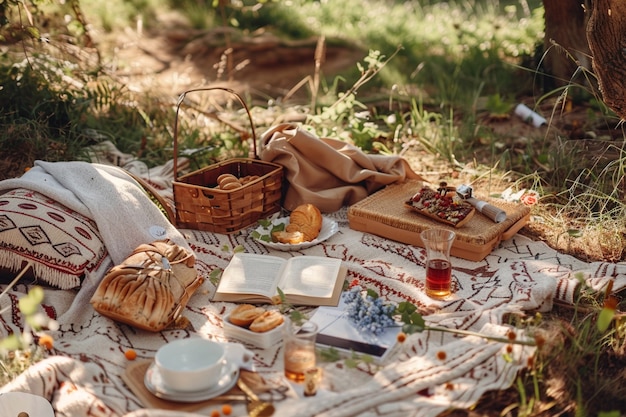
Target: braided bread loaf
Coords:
[[150, 288]]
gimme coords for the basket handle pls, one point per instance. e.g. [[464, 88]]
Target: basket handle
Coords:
[[181, 98]]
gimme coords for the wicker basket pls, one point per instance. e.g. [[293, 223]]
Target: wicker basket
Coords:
[[201, 206]]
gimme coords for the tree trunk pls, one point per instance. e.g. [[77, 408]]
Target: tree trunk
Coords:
[[606, 33], [565, 42]]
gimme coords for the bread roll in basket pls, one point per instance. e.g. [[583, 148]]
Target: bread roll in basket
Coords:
[[150, 288]]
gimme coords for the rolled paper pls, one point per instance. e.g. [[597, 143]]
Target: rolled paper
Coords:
[[494, 213], [530, 116]]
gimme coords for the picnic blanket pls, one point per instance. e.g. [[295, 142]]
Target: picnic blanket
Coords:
[[430, 372]]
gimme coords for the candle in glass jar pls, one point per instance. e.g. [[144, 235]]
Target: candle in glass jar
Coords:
[[297, 361], [299, 345]]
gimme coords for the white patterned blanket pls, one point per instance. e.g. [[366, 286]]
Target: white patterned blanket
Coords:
[[431, 372]]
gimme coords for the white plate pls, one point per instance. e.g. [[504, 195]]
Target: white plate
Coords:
[[155, 385], [23, 403], [329, 228]]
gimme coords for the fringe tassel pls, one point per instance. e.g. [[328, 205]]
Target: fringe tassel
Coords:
[[50, 276]]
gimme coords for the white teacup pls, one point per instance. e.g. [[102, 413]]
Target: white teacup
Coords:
[[193, 364]]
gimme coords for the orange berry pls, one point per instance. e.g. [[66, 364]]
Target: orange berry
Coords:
[[540, 340], [441, 355], [227, 409], [509, 349], [46, 341], [130, 354], [610, 302], [401, 337], [511, 335], [215, 413]]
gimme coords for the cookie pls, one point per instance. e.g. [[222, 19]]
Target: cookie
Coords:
[[243, 315], [267, 321]]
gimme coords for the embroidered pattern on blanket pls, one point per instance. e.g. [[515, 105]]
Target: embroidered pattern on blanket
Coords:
[[61, 243], [519, 275]]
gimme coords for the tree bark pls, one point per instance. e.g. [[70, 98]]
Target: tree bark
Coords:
[[606, 33], [565, 42]]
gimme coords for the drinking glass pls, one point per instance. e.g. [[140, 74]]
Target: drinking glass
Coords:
[[438, 243], [299, 347]]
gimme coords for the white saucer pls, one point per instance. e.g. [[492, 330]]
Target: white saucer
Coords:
[[18, 403], [262, 234], [154, 383]]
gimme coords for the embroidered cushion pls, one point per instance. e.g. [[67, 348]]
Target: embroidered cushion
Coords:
[[60, 243]]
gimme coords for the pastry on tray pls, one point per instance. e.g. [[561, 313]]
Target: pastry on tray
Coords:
[[442, 206]]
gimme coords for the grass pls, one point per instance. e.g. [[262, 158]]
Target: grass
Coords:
[[437, 84]]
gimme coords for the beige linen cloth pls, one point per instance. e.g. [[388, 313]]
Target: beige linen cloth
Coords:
[[328, 173]]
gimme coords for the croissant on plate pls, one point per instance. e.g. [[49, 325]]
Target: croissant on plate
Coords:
[[305, 224]]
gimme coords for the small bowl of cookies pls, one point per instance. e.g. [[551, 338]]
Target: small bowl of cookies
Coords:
[[258, 326]]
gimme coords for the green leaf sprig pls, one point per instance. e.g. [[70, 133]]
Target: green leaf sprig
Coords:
[[413, 322], [268, 228], [216, 274]]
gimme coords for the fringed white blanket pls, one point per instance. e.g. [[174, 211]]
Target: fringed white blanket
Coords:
[[429, 373], [125, 216], [105, 194]]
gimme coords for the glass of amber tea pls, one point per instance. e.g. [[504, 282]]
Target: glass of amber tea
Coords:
[[299, 349], [438, 243]]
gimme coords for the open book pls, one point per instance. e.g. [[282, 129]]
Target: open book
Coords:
[[337, 331], [305, 280]]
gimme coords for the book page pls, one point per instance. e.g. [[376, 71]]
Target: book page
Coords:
[[251, 274], [311, 276]]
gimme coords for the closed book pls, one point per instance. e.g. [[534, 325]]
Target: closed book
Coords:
[[335, 330]]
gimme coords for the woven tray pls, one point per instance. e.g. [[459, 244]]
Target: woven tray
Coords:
[[135, 373], [384, 214], [133, 377]]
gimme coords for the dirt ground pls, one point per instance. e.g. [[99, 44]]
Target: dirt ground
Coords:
[[177, 59]]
